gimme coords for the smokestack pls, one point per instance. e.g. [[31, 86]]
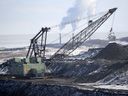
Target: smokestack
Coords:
[[73, 36], [60, 38], [78, 11]]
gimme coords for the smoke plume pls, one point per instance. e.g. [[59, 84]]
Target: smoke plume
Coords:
[[77, 11]]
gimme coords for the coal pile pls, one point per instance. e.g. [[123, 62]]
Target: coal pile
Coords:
[[113, 51], [16, 88], [73, 69], [106, 73]]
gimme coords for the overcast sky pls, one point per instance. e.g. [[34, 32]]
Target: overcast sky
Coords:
[[28, 16]]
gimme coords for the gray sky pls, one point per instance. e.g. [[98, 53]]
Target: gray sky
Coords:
[[28, 16]]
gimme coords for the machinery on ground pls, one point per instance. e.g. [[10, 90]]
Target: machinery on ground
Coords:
[[33, 65], [37, 49], [82, 36]]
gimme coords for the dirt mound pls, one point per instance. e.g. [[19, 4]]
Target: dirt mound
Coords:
[[113, 51], [104, 73]]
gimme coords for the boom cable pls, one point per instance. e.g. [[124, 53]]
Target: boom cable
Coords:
[[75, 21]]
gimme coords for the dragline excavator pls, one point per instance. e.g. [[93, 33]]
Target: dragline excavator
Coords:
[[82, 36], [35, 63], [38, 50]]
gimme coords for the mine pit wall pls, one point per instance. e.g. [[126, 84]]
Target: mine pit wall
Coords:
[[91, 71], [16, 88]]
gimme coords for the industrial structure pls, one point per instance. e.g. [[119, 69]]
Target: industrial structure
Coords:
[[82, 36], [34, 63], [37, 49]]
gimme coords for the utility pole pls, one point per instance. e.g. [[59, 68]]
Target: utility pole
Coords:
[[60, 38]]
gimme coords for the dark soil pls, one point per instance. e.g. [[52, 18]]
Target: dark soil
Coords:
[[18, 88], [106, 70], [113, 51]]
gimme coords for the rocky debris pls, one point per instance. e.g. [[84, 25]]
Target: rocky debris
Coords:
[[103, 72], [113, 51], [18, 88], [3, 71], [73, 69], [119, 77], [91, 71], [115, 78]]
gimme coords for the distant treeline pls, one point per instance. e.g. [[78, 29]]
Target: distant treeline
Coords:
[[12, 49]]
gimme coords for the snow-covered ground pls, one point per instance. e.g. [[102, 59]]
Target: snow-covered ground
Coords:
[[115, 87], [3, 70], [2, 60], [50, 51], [102, 86]]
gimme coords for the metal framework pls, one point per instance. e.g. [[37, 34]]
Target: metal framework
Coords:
[[82, 36], [35, 49]]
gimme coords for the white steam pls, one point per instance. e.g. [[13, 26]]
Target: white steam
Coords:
[[77, 11]]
